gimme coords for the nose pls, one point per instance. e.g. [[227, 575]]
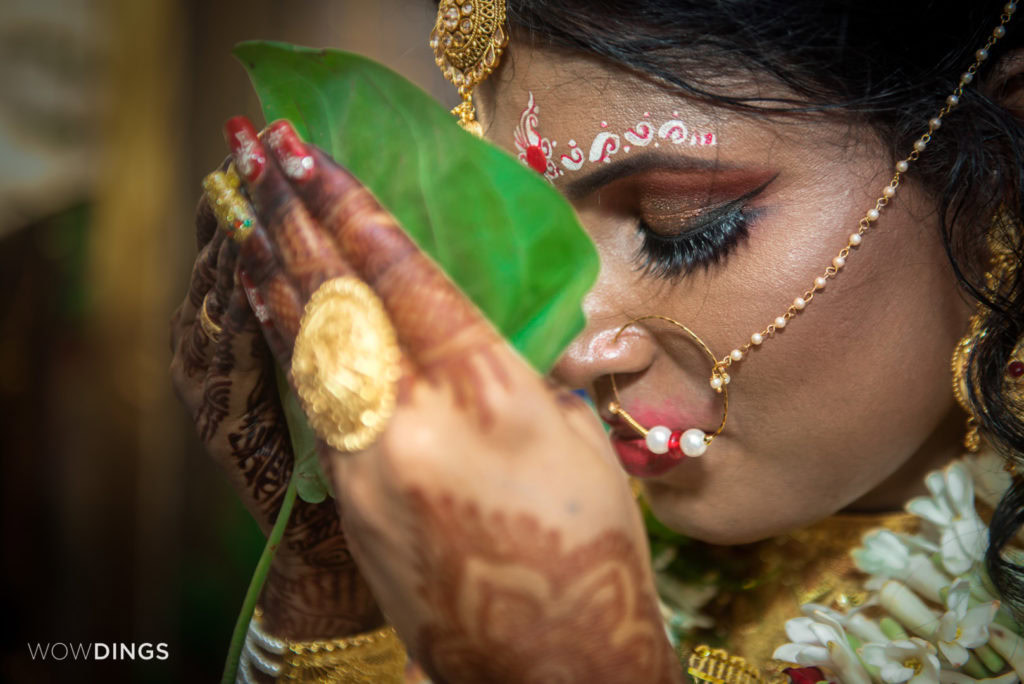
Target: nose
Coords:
[[595, 352]]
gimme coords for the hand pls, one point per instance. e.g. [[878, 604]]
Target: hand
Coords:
[[490, 519], [227, 382]]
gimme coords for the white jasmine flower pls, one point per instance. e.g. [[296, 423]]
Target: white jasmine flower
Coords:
[[820, 641], [854, 622], [1009, 645], [910, 660], [989, 475], [963, 536], [883, 552], [887, 555], [961, 628], [908, 609]]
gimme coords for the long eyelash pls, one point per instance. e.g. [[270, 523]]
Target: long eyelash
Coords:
[[673, 257]]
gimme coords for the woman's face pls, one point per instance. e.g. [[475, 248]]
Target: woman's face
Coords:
[[843, 408]]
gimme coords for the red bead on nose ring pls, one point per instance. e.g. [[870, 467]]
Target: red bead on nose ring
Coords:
[[672, 446]]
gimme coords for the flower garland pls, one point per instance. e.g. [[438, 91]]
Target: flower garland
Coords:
[[931, 615]]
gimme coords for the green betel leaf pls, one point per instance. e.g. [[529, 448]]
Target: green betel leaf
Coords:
[[500, 231]]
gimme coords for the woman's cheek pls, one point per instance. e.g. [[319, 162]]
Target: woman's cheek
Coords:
[[841, 399]]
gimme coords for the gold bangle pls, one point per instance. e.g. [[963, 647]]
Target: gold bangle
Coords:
[[376, 656], [212, 329], [370, 657]]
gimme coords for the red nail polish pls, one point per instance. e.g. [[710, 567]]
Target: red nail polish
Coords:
[[292, 154], [250, 158]]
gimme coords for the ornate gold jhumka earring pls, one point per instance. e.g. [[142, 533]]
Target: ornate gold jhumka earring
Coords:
[[1003, 265], [468, 39], [468, 50]]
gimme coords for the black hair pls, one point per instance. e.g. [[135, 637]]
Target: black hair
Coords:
[[887, 64]]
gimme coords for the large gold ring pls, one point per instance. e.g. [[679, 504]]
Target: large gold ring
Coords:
[[346, 364], [229, 206], [212, 329]]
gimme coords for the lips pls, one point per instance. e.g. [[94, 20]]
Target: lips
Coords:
[[639, 461], [635, 457]]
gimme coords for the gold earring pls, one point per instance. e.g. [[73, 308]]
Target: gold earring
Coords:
[[468, 38], [1002, 266], [662, 440], [961, 366]]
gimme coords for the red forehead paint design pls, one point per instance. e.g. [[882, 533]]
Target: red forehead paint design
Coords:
[[537, 152]]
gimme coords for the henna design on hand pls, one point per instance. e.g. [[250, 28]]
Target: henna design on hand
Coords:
[[318, 605], [214, 407], [466, 371], [260, 434], [185, 331], [314, 589], [256, 442], [270, 481], [195, 351], [511, 602], [204, 273], [229, 384]]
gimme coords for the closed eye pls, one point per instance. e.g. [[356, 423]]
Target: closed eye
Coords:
[[696, 243]]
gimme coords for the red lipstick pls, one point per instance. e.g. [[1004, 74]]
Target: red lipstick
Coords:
[[639, 461], [661, 450]]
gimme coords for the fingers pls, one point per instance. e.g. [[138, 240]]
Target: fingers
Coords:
[[217, 298], [286, 256], [206, 223], [307, 255], [215, 405], [204, 276], [261, 313], [276, 291], [188, 337], [432, 317], [233, 213], [206, 328]]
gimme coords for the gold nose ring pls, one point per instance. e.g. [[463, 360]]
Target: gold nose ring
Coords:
[[660, 439]]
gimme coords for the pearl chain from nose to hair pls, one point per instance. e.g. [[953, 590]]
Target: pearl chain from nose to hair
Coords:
[[719, 377]]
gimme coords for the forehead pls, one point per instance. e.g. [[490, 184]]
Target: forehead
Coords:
[[564, 113], [565, 75]]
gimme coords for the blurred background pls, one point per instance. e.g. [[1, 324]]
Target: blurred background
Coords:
[[115, 526]]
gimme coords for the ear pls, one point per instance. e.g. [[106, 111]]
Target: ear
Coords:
[[485, 95], [1005, 83]]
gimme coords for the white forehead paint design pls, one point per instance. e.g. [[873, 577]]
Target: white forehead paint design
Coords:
[[537, 152]]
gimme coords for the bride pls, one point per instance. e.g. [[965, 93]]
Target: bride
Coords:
[[826, 194]]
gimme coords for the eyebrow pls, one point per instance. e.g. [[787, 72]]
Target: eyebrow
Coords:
[[581, 187]]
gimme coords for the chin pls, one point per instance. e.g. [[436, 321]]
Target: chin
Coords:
[[717, 522]]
